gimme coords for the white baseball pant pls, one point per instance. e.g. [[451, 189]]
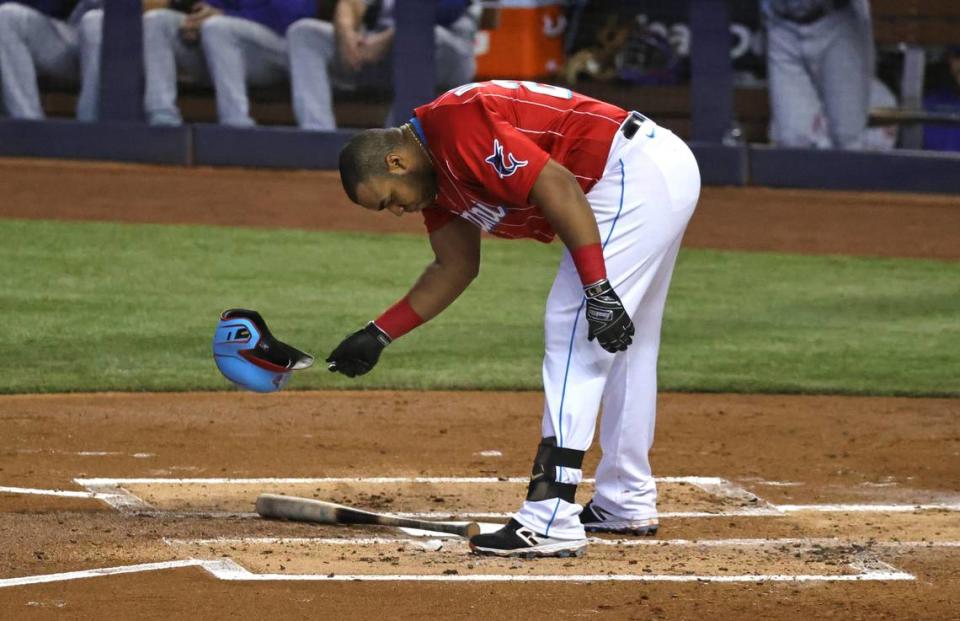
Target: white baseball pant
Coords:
[[642, 204]]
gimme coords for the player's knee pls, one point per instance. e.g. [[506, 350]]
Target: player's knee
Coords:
[[311, 34], [160, 21], [91, 25], [216, 29], [14, 17]]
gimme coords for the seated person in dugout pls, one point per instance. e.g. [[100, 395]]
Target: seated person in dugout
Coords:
[[52, 39], [229, 43], [356, 48]]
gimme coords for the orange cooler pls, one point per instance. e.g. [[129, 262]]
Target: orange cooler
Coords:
[[528, 43]]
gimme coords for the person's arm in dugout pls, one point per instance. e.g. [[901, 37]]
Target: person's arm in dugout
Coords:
[[347, 17]]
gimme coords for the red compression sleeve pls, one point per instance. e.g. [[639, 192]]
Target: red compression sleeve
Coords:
[[590, 263], [398, 319]]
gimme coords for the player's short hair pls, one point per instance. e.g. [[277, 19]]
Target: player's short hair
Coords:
[[364, 156]]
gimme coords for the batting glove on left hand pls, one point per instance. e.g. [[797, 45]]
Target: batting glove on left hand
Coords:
[[359, 352], [609, 322]]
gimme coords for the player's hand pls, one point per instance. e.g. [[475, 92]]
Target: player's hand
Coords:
[[609, 322], [350, 50], [190, 29], [376, 46], [359, 352]]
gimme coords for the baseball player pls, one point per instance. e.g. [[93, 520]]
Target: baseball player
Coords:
[[520, 159]]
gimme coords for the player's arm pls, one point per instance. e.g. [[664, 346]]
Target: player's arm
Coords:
[[564, 205], [456, 247], [347, 17], [562, 202]]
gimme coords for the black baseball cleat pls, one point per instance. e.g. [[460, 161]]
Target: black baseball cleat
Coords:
[[516, 540], [597, 520]]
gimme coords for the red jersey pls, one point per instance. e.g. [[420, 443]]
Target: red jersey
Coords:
[[490, 140]]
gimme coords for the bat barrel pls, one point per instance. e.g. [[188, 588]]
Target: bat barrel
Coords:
[[276, 506]]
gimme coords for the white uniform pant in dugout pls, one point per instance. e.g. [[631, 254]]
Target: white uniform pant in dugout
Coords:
[[642, 204]]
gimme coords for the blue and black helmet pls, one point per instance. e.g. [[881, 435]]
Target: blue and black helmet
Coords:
[[249, 356]]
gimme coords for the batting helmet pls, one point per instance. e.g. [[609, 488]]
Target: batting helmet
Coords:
[[249, 356]]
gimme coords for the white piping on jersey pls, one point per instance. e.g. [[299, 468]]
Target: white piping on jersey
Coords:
[[534, 131], [466, 203], [549, 131], [543, 105]]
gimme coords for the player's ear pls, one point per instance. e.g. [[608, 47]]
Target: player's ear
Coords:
[[396, 163]]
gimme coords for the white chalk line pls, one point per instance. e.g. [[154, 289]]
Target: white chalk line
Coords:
[[692, 480], [123, 500], [95, 573], [864, 577], [110, 491], [711, 543], [86, 453], [869, 508], [57, 492], [716, 486], [744, 512], [225, 569], [228, 570]]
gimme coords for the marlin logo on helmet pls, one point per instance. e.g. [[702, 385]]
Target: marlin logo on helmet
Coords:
[[249, 356], [502, 166]]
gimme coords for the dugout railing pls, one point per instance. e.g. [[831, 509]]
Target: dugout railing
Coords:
[[913, 26]]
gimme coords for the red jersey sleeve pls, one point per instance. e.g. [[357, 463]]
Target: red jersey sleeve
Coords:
[[435, 217], [483, 148]]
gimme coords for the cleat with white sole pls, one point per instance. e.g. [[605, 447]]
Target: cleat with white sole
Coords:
[[597, 520], [517, 541]]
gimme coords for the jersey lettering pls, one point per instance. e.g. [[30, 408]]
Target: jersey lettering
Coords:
[[486, 217], [502, 166]]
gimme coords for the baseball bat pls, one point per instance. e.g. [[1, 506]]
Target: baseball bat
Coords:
[[276, 506]]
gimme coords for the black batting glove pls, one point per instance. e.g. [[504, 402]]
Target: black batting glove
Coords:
[[359, 352], [609, 322]]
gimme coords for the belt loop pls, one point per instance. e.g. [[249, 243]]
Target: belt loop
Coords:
[[631, 125]]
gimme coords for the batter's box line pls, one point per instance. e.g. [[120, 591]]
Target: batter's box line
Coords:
[[226, 569], [113, 492], [229, 570], [868, 567], [809, 542]]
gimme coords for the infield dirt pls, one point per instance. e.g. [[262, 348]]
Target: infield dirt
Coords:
[[787, 450]]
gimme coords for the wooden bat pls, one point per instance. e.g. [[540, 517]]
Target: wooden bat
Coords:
[[276, 506]]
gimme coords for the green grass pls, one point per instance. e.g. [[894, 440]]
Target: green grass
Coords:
[[93, 306]]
